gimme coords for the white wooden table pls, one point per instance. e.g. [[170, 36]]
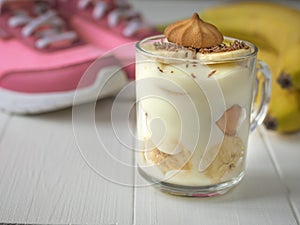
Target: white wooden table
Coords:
[[68, 167]]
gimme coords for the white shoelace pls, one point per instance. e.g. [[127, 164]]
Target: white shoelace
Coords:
[[123, 11], [55, 32]]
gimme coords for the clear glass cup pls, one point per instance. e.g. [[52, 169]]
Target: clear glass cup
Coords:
[[194, 116]]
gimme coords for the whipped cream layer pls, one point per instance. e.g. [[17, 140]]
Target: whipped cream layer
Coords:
[[193, 113]]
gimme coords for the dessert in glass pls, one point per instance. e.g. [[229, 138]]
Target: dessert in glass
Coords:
[[195, 91]]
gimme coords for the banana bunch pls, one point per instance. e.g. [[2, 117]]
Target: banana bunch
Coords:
[[275, 30]]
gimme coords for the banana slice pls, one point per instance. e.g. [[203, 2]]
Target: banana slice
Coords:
[[223, 55], [166, 162], [229, 158]]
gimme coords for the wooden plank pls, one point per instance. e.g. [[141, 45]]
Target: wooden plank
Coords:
[[285, 153], [260, 198], [44, 178]]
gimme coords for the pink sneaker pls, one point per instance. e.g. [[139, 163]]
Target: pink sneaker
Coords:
[[107, 24], [43, 60]]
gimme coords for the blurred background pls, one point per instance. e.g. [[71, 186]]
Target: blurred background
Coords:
[[172, 12]]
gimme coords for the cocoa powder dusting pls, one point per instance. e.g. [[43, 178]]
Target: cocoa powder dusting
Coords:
[[211, 73], [160, 70], [236, 45]]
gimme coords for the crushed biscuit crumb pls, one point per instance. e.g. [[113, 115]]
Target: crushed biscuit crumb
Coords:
[[235, 45], [211, 73]]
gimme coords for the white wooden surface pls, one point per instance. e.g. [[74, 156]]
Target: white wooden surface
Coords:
[[69, 167], [44, 178]]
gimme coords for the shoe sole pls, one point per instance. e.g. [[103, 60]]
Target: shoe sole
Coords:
[[34, 103]]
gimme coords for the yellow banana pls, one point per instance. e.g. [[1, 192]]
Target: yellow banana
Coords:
[[290, 74], [270, 26], [284, 109]]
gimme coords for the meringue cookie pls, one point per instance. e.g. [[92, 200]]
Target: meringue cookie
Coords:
[[193, 33]]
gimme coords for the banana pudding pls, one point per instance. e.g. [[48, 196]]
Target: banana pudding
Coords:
[[194, 95]]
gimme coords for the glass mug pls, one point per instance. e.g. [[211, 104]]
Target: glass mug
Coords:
[[194, 116]]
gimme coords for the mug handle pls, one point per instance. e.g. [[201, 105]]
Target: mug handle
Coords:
[[259, 114]]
